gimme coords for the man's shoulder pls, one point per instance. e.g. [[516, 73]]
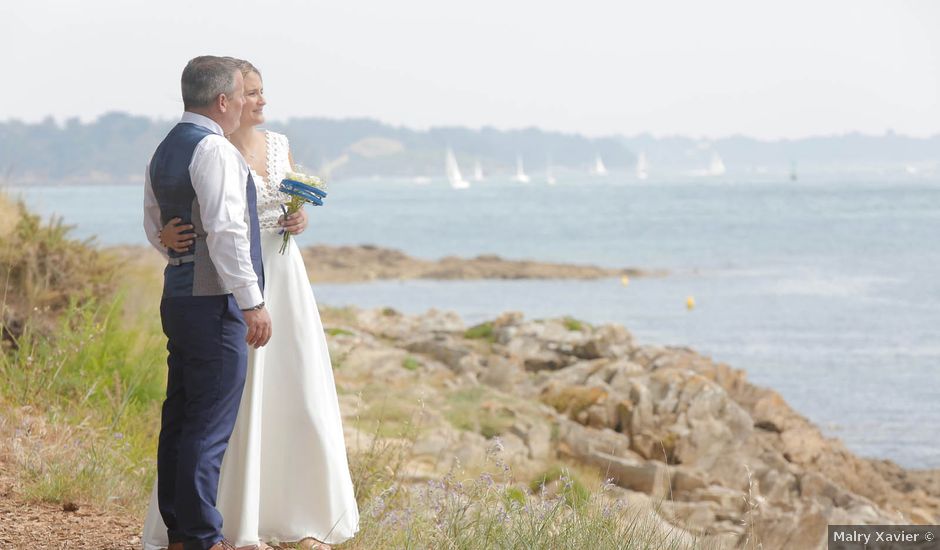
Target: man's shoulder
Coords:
[[215, 141], [217, 145]]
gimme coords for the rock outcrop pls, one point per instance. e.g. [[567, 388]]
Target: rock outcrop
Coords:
[[341, 264], [708, 451], [363, 263]]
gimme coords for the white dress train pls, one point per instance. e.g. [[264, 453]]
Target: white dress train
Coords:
[[285, 475]]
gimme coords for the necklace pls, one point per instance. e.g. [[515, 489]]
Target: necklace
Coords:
[[247, 153], [258, 144]]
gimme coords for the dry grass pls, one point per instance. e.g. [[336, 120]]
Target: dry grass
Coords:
[[43, 273], [9, 215], [491, 510]]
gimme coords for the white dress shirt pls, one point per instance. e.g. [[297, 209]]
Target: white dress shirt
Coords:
[[219, 174]]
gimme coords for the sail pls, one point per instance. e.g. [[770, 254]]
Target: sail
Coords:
[[642, 167], [520, 176], [453, 172], [599, 169], [717, 166], [477, 172]]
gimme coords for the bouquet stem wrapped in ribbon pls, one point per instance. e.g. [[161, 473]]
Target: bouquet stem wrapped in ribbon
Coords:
[[303, 189]]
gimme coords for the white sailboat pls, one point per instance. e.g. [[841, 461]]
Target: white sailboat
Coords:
[[520, 176], [453, 172], [598, 169], [550, 174], [477, 171], [717, 166], [642, 167]]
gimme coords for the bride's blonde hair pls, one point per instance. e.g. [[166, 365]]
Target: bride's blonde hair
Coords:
[[246, 67]]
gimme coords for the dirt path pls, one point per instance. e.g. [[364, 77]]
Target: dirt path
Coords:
[[40, 526]]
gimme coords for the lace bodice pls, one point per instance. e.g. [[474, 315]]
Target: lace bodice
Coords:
[[269, 198]]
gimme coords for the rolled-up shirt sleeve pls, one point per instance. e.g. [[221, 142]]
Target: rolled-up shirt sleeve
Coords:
[[152, 223], [219, 177]]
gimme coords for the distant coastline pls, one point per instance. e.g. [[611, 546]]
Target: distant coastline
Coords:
[[115, 147]]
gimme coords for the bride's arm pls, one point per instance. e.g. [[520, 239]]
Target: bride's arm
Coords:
[[296, 222]]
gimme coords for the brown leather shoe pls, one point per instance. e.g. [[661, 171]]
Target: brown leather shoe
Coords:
[[175, 546]]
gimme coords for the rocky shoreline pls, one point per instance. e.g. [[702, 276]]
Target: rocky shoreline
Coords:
[[363, 263], [687, 438], [344, 264]]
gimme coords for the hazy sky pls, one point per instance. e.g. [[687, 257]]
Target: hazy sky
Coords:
[[786, 68]]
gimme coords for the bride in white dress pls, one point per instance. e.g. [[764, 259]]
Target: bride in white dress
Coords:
[[285, 475]]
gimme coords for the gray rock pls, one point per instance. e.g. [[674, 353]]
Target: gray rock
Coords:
[[686, 479], [504, 373], [444, 349], [815, 486], [579, 442], [537, 437], [727, 499], [514, 448], [650, 477], [699, 517]]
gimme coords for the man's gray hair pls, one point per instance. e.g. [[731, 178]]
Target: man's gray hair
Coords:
[[205, 77]]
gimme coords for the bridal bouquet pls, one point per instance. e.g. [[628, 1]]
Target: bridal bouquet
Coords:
[[302, 189]]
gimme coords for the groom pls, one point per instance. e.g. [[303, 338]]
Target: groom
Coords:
[[212, 306]]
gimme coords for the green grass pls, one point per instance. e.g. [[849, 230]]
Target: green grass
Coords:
[[477, 409], [100, 381], [410, 363], [93, 362], [573, 324], [74, 362], [571, 488], [489, 511], [338, 332], [483, 331], [389, 416]]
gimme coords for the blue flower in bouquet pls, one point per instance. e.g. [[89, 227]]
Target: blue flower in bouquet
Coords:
[[303, 189]]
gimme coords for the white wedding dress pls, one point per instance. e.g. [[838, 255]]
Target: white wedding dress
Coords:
[[285, 474]]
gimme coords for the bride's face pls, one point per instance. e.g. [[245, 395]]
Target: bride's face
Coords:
[[253, 113]]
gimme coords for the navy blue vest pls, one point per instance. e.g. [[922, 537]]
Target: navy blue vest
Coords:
[[192, 273]]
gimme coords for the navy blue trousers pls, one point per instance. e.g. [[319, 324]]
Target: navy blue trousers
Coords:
[[208, 360]]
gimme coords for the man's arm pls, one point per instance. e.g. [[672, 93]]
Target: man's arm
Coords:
[[152, 223], [219, 178]]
